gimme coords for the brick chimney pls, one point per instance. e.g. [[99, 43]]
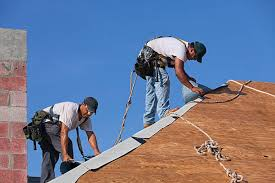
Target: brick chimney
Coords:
[[13, 106]]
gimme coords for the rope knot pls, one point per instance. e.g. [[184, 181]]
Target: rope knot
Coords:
[[235, 178], [212, 147]]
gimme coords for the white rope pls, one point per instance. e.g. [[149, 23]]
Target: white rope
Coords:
[[251, 88], [212, 147], [129, 102], [198, 128]]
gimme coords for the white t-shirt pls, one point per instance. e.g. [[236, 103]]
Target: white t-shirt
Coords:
[[68, 114], [169, 47]]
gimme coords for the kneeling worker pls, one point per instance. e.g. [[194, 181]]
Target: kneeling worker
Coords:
[[64, 117]]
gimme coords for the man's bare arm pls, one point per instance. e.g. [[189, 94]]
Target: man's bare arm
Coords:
[[64, 142], [93, 142], [184, 78]]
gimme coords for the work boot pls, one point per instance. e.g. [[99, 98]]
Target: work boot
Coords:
[[168, 112]]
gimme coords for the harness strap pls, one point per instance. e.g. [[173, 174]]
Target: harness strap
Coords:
[[52, 116], [79, 145], [163, 59], [79, 142]]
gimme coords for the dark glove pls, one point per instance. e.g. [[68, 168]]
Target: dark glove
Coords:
[[66, 166]]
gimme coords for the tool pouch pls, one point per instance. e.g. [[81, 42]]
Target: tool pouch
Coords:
[[146, 62], [34, 130]]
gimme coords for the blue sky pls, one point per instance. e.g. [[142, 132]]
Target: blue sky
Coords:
[[88, 48]]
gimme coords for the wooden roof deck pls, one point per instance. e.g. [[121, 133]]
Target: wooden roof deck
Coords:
[[244, 128]]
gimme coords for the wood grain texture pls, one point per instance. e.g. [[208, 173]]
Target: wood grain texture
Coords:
[[244, 128]]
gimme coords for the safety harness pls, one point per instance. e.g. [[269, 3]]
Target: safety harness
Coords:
[[34, 130], [79, 145], [149, 60]]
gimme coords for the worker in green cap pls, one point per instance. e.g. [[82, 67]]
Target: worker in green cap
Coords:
[[151, 65]]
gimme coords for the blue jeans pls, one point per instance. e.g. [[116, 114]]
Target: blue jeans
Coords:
[[188, 95], [157, 96]]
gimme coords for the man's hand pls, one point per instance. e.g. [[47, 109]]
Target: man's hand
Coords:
[[96, 153], [66, 157], [197, 90]]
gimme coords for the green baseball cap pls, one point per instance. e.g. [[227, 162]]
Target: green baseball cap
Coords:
[[200, 50], [91, 103]]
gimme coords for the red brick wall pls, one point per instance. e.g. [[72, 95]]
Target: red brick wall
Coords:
[[13, 149]]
